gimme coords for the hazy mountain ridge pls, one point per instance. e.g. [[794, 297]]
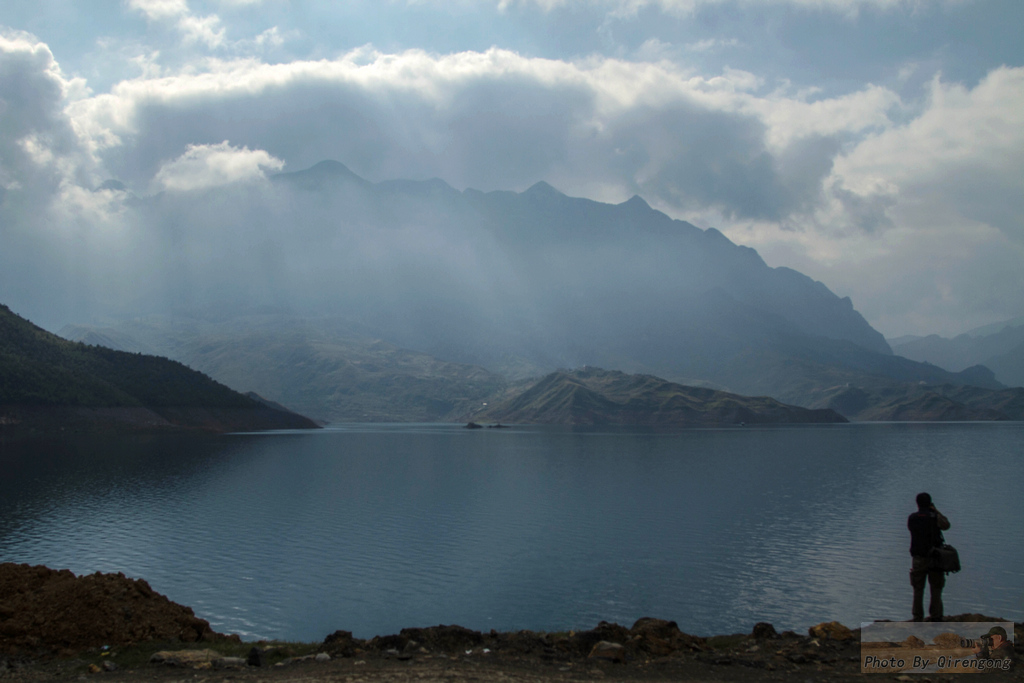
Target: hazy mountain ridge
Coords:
[[924, 402], [326, 368], [330, 369], [999, 346], [620, 286], [563, 265], [592, 396], [447, 296], [948, 402], [713, 262], [46, 381]]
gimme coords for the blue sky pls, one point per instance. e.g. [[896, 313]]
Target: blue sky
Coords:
[[876, 145]]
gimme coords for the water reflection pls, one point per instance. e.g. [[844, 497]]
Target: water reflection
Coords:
[[374, 528]]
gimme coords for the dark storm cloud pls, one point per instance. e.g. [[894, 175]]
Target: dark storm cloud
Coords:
[[690, 157], [867, 213], [489, 121], [486, 131]]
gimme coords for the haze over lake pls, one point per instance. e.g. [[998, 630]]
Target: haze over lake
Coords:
[[373, 528]]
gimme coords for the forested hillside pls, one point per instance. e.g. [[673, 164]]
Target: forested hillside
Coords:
[[39, 370]]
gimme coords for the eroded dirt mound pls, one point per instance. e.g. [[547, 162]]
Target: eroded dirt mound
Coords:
[[46, 609]]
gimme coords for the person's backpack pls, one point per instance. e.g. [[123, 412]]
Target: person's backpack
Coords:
[[946, 558]]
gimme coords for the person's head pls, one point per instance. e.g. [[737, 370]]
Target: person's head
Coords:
[[997, 634], [924, 501]]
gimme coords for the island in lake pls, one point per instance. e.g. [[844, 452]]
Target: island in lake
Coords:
[[592, 396]]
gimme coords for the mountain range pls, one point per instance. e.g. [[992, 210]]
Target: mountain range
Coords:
[[999, 347], [413, 300]]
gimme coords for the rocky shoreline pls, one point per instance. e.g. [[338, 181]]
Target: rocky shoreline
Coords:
[[54, 625]]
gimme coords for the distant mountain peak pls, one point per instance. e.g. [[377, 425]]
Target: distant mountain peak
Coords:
[[636, 201], [327, 171], [716, 235], [996, 328], [330, 167], [542, 189]]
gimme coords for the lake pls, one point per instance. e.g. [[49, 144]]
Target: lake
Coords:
[[372, 528]]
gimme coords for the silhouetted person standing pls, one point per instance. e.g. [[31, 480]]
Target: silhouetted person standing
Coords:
[[926, 527]]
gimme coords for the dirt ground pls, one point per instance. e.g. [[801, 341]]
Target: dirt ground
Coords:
[[499, 669], [106, 627], [475, 667]]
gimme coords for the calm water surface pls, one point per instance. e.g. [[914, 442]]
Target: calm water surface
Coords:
[[373, 528]]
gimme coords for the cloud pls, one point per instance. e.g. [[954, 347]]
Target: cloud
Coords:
[[208, 32], [194, 29], [962, 158], [921, 220], [206, 166], [53, 227], [709, 44], [684, 7], [271, 37], [947, 278], [39, 146], [495, 120], [158, 10], [851, 188]]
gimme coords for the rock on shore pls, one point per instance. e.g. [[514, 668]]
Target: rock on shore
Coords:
[[647, 637]]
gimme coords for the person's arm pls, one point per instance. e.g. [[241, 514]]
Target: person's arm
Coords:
[[941, 519]]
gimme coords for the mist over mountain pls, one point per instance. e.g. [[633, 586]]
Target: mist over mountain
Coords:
[[476, 277], [328, 368], [500, 286], [463, 275], [999, 347]]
